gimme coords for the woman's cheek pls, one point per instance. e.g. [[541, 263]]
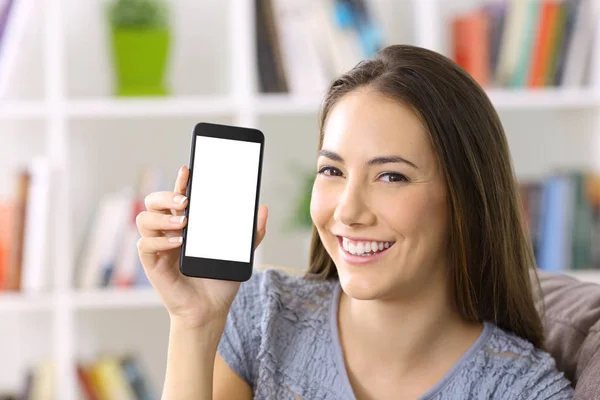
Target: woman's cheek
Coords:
[[321, 205]]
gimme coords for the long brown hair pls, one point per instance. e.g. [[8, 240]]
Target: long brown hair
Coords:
[[490, 253]]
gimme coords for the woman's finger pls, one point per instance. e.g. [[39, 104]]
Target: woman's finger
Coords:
[[150, 248], [152, 245], [181, 181], [152, 224], [164, 202], [261, 224], [181, 187]]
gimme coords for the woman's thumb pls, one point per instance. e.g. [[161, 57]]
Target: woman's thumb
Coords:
[[261, 224]]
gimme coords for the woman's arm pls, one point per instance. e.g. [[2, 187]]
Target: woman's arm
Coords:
[[193, 366], [190, 361]]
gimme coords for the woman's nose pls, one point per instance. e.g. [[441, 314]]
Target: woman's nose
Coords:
[[352, 209]]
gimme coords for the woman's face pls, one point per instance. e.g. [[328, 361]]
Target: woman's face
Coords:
[[379, 200]]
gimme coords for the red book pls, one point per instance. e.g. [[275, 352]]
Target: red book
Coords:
[[6, 238], [471, 45], [543, 43], [85, 382]]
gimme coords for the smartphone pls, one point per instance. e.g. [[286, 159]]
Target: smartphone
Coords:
[[223, 195]]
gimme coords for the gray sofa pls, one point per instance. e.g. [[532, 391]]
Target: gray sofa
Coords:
[[572, 330]]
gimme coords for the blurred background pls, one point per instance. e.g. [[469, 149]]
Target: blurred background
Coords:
[[97, 104]]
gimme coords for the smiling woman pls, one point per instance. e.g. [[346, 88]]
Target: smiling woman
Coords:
[[419, 257], [419, 278], [456, 203]]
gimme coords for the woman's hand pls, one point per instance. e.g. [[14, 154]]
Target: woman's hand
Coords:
[[192, 302]]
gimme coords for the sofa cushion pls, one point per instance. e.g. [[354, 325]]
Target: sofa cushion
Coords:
[[572, 322], [588, 386]]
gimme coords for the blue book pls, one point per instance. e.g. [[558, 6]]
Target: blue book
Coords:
[[519, 78], [4, 14], [554, 251]]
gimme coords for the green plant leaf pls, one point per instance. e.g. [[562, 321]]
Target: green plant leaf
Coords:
[[138, 14]]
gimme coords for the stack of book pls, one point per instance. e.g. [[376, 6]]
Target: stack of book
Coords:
[[563, 217], [109, 377], [527, 43], [114, 377], [302, 44], [109, 255], [24, 228]]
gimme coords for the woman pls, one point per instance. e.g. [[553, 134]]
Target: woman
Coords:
[[418, 285]]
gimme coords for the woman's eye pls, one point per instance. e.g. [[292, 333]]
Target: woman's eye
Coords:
[[393, 177], [330, 171]]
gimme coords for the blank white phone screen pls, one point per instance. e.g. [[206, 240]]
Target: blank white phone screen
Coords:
[[222, 200]]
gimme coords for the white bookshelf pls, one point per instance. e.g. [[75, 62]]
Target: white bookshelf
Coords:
[[215, 81], [169, 107], [544, 99], [272, 104], [23, 110], [116, 298], [20, 303]]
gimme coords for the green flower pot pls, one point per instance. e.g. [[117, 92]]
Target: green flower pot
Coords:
[[140, 60]]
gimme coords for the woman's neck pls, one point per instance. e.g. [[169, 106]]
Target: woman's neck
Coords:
[[404, 332]]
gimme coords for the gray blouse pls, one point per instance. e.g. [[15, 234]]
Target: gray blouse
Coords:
[[281, 337]]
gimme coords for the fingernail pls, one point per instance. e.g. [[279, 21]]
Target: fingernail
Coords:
[[177, 239], [179, 199], [177, 220]]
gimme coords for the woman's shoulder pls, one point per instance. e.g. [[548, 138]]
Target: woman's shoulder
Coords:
[[513, 352], [514, 365], [272, 289]]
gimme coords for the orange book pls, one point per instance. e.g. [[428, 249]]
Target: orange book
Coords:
[[543, 43], [471, 45], [3, 263], [13, 273], [85, 382], [6, 234]]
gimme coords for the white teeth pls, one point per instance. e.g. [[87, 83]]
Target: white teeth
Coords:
[[360, 248], [364, 247]]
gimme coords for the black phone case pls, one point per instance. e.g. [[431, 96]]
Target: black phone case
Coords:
[[214, 268]]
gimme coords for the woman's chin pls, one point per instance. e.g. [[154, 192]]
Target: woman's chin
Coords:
[[361, 285]]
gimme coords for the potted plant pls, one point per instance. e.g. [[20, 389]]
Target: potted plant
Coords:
[[301, 222], [301, 219], [139, 31]]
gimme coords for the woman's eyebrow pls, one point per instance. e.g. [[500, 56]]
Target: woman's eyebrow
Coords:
[[390, 159], [374, 161], [331, 155]]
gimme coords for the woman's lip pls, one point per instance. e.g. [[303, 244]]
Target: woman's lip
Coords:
[[357, 239], [353, 259]]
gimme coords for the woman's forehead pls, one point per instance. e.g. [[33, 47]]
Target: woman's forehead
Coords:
[[363, 122]]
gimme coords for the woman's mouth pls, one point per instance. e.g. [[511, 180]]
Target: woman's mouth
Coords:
[[362, 251]]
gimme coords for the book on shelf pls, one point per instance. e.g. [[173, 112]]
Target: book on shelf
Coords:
[[6, 8], [109, 255], [14, 22], [24, 224], [108, 377], [563, 216], [38, 383], [527, 43], [114, 377], [301, 45]]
